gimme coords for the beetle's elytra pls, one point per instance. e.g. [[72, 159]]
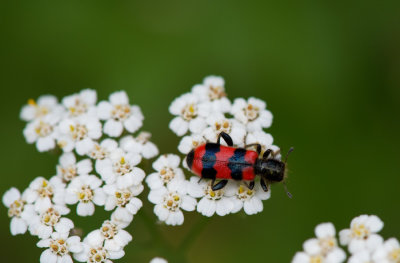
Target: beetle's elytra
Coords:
[[215, 161]]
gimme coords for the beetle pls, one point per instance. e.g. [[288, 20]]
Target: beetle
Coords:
[[215, 161]]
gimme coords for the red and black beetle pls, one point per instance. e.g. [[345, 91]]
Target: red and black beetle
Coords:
[[215, 161]]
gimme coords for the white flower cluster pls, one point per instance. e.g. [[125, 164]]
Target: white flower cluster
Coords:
[[362, 240], [79, 127], [200, 116]]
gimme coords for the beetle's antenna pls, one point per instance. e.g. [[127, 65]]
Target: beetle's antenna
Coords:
[[284, 181], [287, 155], [286, 190]]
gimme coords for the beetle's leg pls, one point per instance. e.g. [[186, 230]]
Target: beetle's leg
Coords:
[[221, 184], [267, 153], [251, 185], [226, 138], [255, 144], [201, 178], [264, 186]]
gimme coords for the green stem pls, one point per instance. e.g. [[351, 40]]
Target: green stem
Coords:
[[158, 240], [192, 236]]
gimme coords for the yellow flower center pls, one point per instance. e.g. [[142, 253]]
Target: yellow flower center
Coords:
[[121, 112], [251, 112], [85, 194], [167, 174], [122, 167], [222, 126], [78, 132], [189, 112], [244, 192], [43, 129], [59, 247], [109, 229], [394, 255], [216, 92], [16, 208], [123, 197], [98, 255], [45, 190], [327, 244], [98, 152], [213, 195], [316, 259], [50, 217], [67, 173], [172, 201], [360, 231], [78, 108]]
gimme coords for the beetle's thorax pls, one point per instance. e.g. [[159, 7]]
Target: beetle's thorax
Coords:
[[271, 169]]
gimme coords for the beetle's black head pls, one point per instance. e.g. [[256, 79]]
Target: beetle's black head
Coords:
[[271, 169]]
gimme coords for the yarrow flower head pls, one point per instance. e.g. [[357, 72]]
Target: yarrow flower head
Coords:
[[15, 203], [80, 104], [86, 191], [170, 200], [220, 201], [253, 113], [81, 129], [206, 112], [68, 168], [362, 241], [362, 233], [119, 114], [59, 246], [167, 167], [324, 248]]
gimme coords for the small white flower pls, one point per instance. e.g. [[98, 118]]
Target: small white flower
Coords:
[[45, 105], [252, 113], [43, 193], [262, 138], [60, 246], [103, 150], [218, 124], [250, 200], [363, 256], [113, 236], [120, 168], [321, 249], [362, 233], [78, 134], [42, 132], [158, 260], [213, 90], [68, 168], [188, 114], [125, 200], [45, 223], [167, 167], [211, 202], [15, 203], [141, 145], [188, 143], [118, 114], [92, 252], [86, 190], [389, 252], [81, 103], [170, 200]]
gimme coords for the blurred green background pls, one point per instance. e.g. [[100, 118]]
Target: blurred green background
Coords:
[[329, 71]]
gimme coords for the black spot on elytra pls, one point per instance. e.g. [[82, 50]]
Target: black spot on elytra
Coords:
[[189, 159], [208, 160]]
